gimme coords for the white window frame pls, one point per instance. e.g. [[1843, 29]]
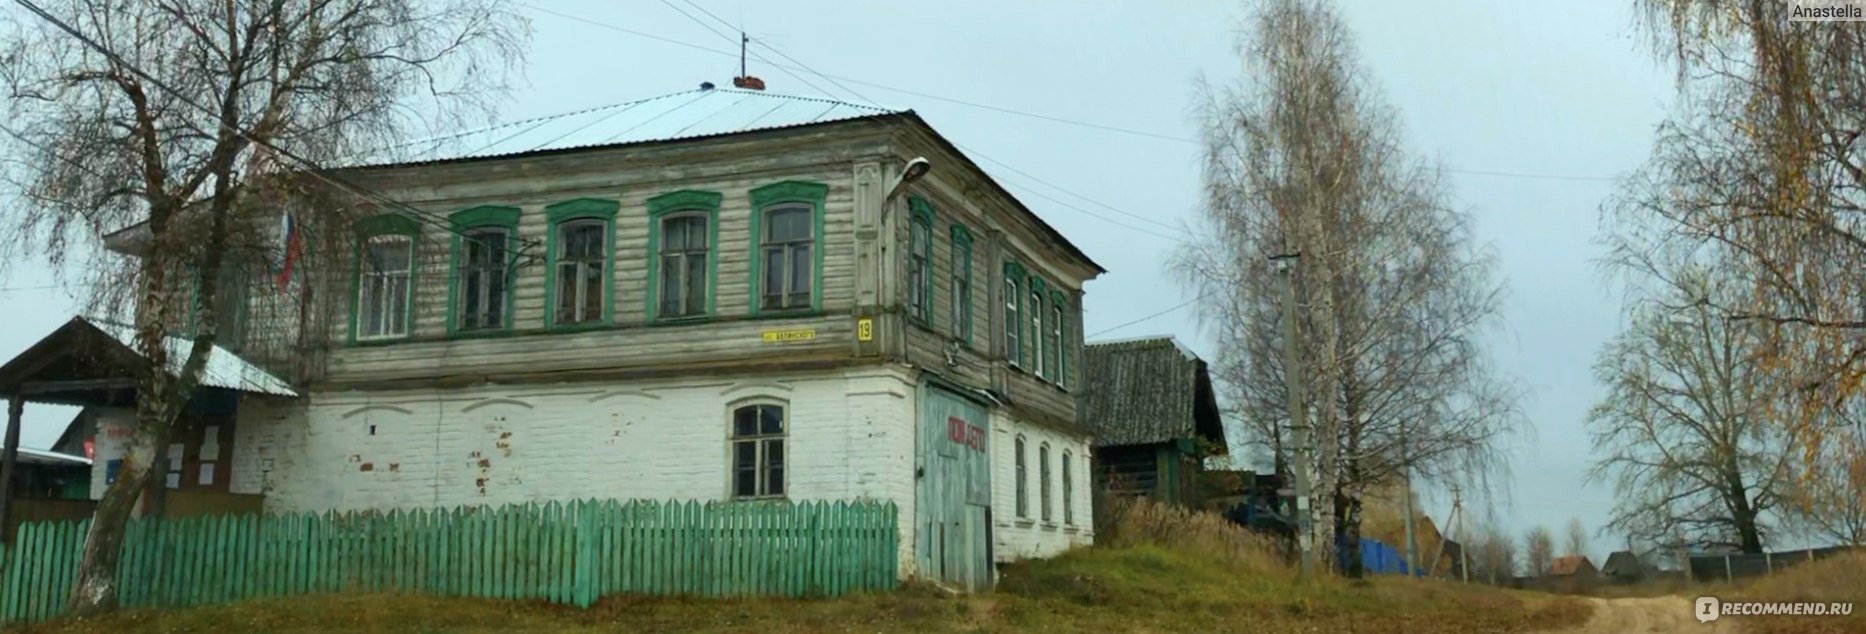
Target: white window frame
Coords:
[[1014, 322], [370, 275], [1055, 344], [1036, 331]]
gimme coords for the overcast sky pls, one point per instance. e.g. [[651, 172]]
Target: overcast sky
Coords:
[[1556, 90]]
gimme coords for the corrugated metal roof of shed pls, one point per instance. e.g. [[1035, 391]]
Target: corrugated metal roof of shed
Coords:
[[1142, 391], [683, 115]]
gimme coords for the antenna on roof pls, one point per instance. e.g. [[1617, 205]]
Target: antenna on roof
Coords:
[[745, 80]]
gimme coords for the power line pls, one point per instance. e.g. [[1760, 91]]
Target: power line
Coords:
[[311, 167], [1000, 109], [968, 150], [1157, 315], [741, 41]]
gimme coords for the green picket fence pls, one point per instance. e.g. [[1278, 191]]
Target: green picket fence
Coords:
[[566, 553]]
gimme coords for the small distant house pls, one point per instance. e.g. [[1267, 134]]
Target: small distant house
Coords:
[[1150, 406], [1623, 565], [1572, 565]]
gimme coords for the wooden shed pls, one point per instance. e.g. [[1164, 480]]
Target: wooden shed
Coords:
[[1150, 405]]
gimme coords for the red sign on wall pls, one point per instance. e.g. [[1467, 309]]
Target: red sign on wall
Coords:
[[957, 430]]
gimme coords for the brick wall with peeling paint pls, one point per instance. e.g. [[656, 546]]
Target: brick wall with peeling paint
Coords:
[[850, 436], [1015, 538]]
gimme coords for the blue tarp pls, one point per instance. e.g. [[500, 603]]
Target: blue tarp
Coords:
[[1377, 558]]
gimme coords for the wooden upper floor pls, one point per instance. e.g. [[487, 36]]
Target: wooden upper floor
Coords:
[[786, 247]]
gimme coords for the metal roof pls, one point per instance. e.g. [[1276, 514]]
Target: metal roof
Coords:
[[1145, 391], [28, 455], [692, 114], [223, 369]]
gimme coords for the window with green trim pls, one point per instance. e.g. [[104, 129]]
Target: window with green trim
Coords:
[[1013, 318], [384, 282], [787, 257], [1054, 344], [1037, 354], [481, 286], [683, 255], [920, 265], [961, 283], [580, 280]]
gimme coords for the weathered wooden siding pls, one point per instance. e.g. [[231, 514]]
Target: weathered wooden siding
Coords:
[[629, 176], [981, 361]]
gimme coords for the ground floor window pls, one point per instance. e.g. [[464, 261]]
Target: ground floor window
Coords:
[[757, 448]]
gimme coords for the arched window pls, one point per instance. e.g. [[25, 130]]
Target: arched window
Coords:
[[920, 262], [1023, 487], [1043, 480], [1069, 486], [757, 451]]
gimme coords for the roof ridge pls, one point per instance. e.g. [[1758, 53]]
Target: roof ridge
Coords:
[[875, 108], [519, 122]]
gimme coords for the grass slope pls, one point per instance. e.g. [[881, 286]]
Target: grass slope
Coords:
[[1143, 588]]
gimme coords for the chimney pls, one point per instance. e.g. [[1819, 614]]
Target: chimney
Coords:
[[748, 82]]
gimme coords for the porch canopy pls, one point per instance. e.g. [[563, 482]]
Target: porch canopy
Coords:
[[95, 362]]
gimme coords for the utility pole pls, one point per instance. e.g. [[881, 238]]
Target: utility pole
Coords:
[[15, 405], [1298, 418], [1412, 540], [1464, 547]]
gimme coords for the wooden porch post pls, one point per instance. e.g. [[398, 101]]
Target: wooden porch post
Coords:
[[15, 405]]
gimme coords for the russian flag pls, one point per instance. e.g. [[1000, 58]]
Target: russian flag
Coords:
[[288, 230]]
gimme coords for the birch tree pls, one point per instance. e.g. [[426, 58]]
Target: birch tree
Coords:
[[1577, 537], [1538, 551], [1303, 157], [1762, 172], [201, 119]]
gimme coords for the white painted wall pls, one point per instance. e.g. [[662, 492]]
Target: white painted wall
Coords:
[[850, 437], [1025, 537], [114, 426]]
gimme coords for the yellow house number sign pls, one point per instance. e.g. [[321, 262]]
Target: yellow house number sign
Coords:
[[865, 329], [789, 336]]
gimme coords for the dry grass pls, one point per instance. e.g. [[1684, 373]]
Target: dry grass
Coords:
[[1165, 571], [1841, 578]]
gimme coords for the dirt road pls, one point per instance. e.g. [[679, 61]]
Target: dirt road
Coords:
[[1646, 615]]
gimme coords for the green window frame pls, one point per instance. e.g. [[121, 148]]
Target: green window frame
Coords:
[[573, 213], [1039, 353], [465, 223], [767, 202], [684, 207], [1013, 292], [1059, 350], [381, 230], [962, 283], [920, 260]]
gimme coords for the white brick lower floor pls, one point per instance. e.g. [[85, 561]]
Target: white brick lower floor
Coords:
[[849, 435]]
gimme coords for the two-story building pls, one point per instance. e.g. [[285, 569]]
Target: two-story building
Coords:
[[711, 295]]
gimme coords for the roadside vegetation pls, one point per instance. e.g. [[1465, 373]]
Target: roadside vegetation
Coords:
[[1158, 569]]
